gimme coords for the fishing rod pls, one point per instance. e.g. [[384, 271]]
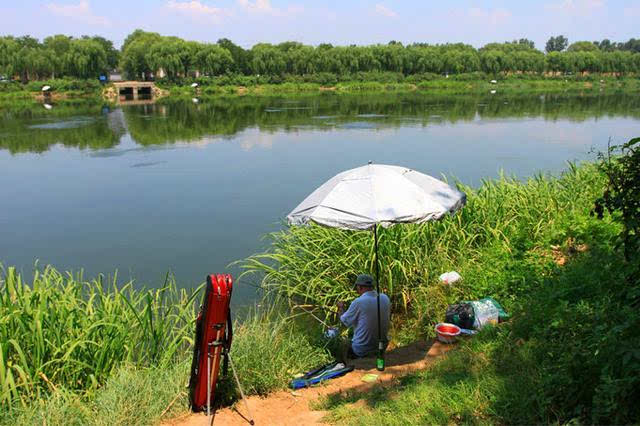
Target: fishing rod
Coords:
[[322, 308], [313, 315]]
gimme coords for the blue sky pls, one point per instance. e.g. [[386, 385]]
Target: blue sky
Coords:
[[247, 22]]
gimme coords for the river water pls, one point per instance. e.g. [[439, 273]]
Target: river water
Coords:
[[189, 187]]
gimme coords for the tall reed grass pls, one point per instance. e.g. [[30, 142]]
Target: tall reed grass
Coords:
[[317, 265], [64, 332], [70, 348]]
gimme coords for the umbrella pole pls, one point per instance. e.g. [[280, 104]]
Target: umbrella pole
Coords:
[[380, 358]]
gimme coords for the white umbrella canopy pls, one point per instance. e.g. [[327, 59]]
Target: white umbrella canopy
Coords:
[[374, 194]]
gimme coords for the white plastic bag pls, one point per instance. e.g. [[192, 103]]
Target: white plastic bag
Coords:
[[485, 312], [450, 277]]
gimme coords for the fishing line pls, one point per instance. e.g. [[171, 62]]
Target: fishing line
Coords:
[[313, 315]]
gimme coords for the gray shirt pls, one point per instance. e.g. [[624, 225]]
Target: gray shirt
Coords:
[[362, 315]]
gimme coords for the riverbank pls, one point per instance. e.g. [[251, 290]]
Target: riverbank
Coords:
[[58, 89], [378, 83], [106, 354], [390, 82]]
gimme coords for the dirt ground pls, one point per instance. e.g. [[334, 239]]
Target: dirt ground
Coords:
[[285, 408]]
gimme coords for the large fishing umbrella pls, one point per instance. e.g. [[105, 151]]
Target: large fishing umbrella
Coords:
[[376, 194]]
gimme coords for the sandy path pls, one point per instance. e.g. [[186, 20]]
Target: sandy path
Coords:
[[283, 408]]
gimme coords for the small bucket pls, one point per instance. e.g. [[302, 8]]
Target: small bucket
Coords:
[[447, 333]]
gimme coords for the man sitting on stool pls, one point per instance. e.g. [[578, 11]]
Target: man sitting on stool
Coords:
[[362, 315]]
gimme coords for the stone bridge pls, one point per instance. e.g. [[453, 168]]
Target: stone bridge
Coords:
[[135, 88]]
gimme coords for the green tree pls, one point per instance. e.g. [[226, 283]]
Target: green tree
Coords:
[[526, 42], [211, 59], [582, 46], [59, 45], [166, 54], [622, 200], [605, 45], [134, 57], [9, 51], [554, 61], [113, 54], [28, 42], [633, 45], [86, 58], [491, 61], [556, 44], [241, 57], [300, 60], [268, 60]]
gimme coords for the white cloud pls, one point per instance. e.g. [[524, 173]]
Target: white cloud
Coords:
[[196, 10], [264, 7], [489, 16], [385, 11], [577, 7], [79, 12]]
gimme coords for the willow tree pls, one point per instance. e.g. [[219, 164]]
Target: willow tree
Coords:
[[166, 55], [268, 59], [59, 45], [86, 58], [133, 59], [212, 59], [9, 49]]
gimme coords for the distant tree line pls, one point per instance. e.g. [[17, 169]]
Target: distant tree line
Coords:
[[145, 55], [56, 56]]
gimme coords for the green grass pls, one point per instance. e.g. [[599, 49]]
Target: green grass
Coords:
[[103, 353], [457, 84], [569, 355], [366, 83], [64, 332], [457, 390]]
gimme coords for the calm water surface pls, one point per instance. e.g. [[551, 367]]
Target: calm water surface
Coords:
[[190, 187]]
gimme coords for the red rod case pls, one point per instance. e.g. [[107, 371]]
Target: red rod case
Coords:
[[213, 341]]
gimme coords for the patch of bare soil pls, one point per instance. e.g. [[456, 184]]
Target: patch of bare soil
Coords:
[[49, 97], [562, 255], [286, 408]]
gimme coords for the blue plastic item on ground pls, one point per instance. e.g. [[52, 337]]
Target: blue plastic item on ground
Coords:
[[320, 374]]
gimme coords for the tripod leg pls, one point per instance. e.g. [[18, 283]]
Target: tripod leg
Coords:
[[208, 383], [246, 404]]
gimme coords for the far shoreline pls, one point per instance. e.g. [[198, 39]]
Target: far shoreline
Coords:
[[454, 85]]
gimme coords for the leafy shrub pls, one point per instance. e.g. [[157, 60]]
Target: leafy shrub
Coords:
[[65, 84]]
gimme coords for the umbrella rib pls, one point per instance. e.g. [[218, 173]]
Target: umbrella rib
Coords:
[[346, 212]]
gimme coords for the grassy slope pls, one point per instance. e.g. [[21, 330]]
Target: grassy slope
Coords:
[[570, 351], [103, 354], [438, 85], [547, 364], [499, 239], [464, 83], [60, 88], [566, 355]]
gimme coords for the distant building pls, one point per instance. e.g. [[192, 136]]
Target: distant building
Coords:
[[115, 76]]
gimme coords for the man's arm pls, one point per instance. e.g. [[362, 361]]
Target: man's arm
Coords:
[[350, 317]]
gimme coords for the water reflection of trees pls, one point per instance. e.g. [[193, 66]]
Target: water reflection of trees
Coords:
[[31, 128], [171, 120]]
